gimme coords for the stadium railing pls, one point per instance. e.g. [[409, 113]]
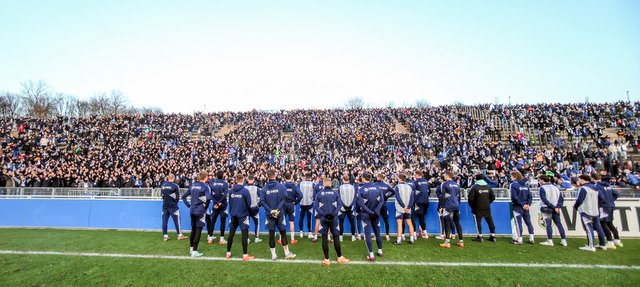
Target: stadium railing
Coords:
[[502, 194], [72, 192]]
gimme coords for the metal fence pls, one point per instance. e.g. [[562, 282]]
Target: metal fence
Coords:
[[154, 193], [92, 193]]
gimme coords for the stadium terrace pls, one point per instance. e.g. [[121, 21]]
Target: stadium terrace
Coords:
[[140, 150]]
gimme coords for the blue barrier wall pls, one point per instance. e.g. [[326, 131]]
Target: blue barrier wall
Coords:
[[147, 214]]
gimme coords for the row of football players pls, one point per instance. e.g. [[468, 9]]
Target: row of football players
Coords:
[[364, 201]]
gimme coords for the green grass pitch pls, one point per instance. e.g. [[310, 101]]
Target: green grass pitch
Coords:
[[56, 270]]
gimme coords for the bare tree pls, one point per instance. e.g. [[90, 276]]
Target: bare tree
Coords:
[[99, 104], [406, 104], [10, 105], [130, 111], [150, 110], [422, 103], [66, 105], [83, 108], [58, 108], [355, 103], [156, 110], [117, 102], [37, 100]]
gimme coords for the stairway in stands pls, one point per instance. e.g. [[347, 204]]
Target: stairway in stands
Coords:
[[225, 130], [399, 127]]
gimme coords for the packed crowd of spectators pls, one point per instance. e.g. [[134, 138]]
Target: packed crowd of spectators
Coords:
[[140, 151]]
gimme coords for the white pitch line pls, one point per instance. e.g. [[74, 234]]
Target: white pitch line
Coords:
[[390, 263]]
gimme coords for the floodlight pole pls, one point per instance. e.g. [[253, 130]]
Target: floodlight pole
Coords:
[[628, 97]]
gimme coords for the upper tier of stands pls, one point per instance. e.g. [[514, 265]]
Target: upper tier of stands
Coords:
[[140, 150]]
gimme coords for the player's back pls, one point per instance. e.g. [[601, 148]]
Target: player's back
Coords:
[[306, 187], [253, 192], [404, 192], [347, 194]]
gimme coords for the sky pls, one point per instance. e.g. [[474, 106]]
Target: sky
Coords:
[[186, 56]]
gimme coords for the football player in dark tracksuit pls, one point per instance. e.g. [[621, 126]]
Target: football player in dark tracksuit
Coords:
[[200, 193], [442, 235], [272, 198], [170, 197], [370, 201], [521, 201], [317, 186], [480, 198], [219, 192], [422, 192], [411, 183], [293, 198], [239, 205], [388, 192], [450, 205], [606, 202], [327, 204]]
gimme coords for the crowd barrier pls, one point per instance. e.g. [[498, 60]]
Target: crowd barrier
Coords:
[[145, 214]]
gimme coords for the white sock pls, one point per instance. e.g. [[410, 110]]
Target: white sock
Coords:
[[530, 237], [371, 254], [190, 250], [286, 250], [273, 252], [165, 236], [610, 242], [399, 240], [180, 234], [293, 236], [228, 253], [315, 237], [616, 240], [379, 251]]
